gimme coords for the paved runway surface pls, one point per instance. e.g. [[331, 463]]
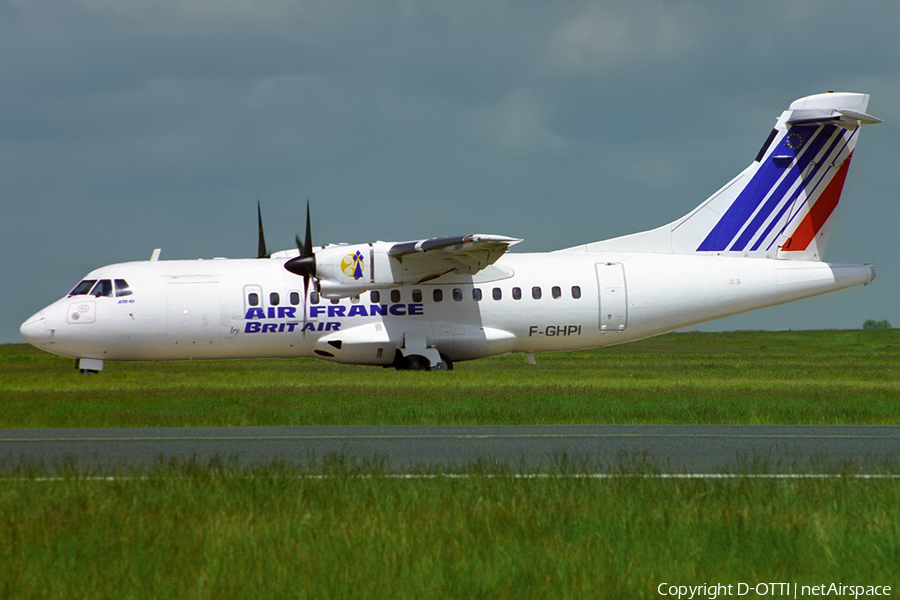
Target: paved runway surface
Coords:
[[670, 449]]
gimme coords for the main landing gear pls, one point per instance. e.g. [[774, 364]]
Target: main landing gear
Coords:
[[417, 362]]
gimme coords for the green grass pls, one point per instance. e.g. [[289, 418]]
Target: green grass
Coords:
[[183, 530], [191, 532], [814, 377]]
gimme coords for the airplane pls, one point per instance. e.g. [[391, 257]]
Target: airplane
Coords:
[[426, 304]]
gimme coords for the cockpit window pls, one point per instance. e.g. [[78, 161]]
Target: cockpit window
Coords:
[[83, 288], [122, 288], [103, 289]]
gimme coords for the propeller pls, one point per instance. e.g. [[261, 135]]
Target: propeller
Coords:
[[305, 264], [261, 253]]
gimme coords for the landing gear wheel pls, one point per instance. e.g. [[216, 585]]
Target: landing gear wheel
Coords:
[[445, 365], [413, 362], [416, 362]]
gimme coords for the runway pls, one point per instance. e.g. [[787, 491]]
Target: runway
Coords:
[[698, 449]]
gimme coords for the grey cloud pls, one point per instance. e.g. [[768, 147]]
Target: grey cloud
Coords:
[[127, 125]]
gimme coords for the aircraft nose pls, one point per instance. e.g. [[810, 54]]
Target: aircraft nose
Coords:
[[36, 330]]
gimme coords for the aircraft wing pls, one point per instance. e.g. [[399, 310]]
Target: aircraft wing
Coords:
[[463, 254]]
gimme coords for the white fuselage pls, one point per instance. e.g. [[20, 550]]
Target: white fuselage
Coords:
[[530, 303], [756, 242]]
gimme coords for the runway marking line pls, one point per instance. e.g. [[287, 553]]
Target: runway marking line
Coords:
[[445, 436], [863, 476]]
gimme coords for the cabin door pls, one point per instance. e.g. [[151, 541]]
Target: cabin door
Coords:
[[194, 314], [613, 297]]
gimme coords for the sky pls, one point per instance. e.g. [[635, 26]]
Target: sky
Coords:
[[129, 125]]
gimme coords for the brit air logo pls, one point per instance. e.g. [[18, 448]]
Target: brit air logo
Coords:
[[353, 265]]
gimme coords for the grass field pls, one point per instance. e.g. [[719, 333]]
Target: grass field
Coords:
[[813, 377], [211, 531], [192, 532]]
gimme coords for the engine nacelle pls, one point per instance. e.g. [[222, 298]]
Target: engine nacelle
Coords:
[[348, 270]]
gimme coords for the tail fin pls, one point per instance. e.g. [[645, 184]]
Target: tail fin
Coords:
[[781, 205]]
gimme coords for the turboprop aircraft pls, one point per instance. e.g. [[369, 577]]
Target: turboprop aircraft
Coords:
[[426, 304]]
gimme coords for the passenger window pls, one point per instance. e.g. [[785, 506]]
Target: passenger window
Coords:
[[417, 295], [354, 299], [313, 297], [517, 293], [295, 298], [497, 294], [556, 292], [83, 288], [253, 299], [457, 294], [103, 289], [375, 297], [335, 300], [536, 293], [576, 292], [476, 294], [122, 288], [274, 299], [438, 294], [395, 296]]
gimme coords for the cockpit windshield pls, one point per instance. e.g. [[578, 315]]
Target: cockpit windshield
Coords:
[[122, 288], [83, 288], [102, 288]]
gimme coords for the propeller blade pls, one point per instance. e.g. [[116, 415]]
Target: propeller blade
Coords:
[[304, 265], [261, 252], [307, 246]]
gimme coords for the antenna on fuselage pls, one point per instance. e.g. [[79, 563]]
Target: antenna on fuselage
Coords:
[[155, 256]]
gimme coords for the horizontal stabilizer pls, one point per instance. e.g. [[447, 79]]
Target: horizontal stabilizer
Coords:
[[848, 119]]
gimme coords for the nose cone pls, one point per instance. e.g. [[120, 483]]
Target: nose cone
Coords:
[[36, 331], [304, 266]]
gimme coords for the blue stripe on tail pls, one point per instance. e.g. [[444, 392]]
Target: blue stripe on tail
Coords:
[[799, 167], [762, 182], [819, 172]]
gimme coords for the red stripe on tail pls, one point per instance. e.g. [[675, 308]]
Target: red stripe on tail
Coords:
[[814, 220]]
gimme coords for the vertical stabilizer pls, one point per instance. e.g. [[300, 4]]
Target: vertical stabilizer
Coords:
[[780, 206]]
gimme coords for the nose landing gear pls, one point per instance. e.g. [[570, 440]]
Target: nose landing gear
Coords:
[[89, 366]]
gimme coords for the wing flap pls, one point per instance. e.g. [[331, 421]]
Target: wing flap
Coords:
[[463, 254]]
